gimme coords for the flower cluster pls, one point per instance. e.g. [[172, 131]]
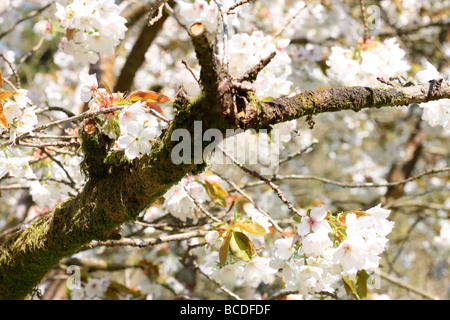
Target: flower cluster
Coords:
[[205, 11], [94, 289], [240, 237], [15, 166], [19, 115], [92, 28], [133, 126], [327, 248], [323, 250], [181, 200], [366, 61], [246, 50]]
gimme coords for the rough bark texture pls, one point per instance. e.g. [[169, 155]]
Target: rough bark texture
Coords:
[[262, 114], [119, 189]]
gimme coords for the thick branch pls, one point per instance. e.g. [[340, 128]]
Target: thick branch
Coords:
[[209, 75], [401, 171], [262, 114], [136, 57]]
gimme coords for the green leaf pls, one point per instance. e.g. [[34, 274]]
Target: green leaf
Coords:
[[216, 193], [210, 190], [361, 283], [350, 287], [108, 89], [241, 246], [115, 290]]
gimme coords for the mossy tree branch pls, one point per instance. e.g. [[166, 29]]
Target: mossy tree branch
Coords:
[[261, 114]]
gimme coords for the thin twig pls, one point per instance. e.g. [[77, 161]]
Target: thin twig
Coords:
[[288, 21], [141, 243], [54, 137], [382, 80], [407, 286], [198, 205], [166, 226], [31, 15], [54, 108], [174, 15], [221, 287], [31, 52], [298, 153], [432, 206], [10, 84], [13, 187], [246, 196], [252, 74], [190, 70], [401, 246], [48, 144], [224, 21], [230, 9], [13, 70], [272, 185], [364, 19], [159, 116], [72, 182], [86, 114], [347, 185]]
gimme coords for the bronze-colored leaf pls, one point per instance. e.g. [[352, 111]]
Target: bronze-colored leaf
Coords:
[[7, 94], [224, 248], [3, 119], [153, 106], [150, 96]]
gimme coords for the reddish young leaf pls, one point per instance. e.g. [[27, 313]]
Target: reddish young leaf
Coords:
[[150, 96], [3, 119], [153, 106]]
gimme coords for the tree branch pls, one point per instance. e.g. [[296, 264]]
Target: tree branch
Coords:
[[263, 114], [136, 57]]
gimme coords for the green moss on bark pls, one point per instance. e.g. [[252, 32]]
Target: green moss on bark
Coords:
[[309, 103]]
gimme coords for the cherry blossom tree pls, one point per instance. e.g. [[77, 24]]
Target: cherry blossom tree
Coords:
[[224, 149]]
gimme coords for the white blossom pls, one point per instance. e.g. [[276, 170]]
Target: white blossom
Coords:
[[96, 288], [315, 222], [136, 140], [284, 248], [89, 86]]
